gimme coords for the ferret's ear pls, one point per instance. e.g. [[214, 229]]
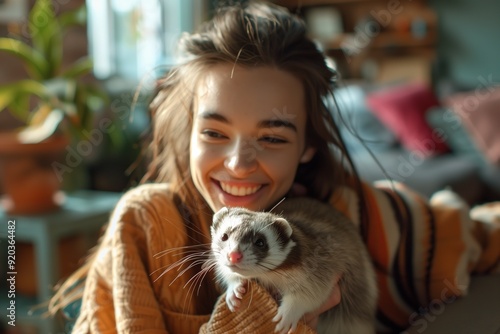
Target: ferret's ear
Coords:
[[218, 216], [284, 225], [308, 154]]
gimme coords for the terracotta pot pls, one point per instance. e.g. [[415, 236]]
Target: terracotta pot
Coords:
[[30, 185]]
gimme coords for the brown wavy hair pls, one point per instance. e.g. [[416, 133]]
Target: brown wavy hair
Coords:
[[256, 34], [250, 35]]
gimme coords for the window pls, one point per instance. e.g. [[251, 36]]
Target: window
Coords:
[[134, 38]]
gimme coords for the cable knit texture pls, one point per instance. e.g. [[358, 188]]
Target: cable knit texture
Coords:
[[255, 316], [422, 249]]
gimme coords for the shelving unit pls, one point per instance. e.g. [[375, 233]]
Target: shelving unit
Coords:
[[373, 32], [83, 213]]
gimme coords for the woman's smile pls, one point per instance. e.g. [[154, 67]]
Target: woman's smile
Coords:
[[239, 194], [239, 189]]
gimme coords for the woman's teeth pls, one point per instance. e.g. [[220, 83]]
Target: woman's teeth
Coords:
[[239, 191]]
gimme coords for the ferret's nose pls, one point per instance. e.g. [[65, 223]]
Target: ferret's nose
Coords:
[[235, 257]]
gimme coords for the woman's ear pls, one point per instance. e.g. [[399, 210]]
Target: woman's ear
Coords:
[[308, 154]]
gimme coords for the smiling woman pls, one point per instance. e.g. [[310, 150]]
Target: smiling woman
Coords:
[[242, 150], [239, 122], [242, 121]]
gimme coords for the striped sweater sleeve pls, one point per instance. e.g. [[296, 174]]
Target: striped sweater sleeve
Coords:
[[423, 249]]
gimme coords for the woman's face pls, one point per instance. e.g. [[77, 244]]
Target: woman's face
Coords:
[[248, 136]]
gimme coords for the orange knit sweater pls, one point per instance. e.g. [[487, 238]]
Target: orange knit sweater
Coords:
[[124, 293], [418, 249]]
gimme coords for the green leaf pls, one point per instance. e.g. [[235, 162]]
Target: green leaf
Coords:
[[46, 34], [20, 105], [55, 57], [8, 93], [17, 96], [78, 69], [35, 63], [77, 16]]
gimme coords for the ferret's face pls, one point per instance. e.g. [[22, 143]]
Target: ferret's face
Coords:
[[249, 243], [248, 136]]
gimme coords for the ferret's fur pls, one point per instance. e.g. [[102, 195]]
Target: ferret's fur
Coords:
[[298, 252]]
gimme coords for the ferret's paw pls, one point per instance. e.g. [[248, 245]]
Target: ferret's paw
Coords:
[[240, 290], [287, 322], [233, 303], [234, 295]]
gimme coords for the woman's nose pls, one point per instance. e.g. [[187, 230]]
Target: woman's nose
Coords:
[[242, 158]]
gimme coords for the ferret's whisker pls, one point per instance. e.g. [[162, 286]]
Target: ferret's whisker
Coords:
[[196, 275], [183, 248], [274, 207], [187, 225], [193, 281], [251, 296], [196, 280], [206, 271], [196, 284], [167, 267], [187, 297], [195, 258], [265, 226], [181, 262], [194, 264], [191, 257], [210, 261]]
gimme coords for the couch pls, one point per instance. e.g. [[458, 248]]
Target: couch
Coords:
[[404, 132]]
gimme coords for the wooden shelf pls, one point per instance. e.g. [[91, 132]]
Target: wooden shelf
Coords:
[[373, 32], [385, 40], [306, 3]]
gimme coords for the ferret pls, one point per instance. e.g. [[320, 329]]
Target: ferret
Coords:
[[298, 252]]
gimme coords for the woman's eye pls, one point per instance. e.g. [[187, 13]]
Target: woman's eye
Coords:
[[212, 134], [273, 140]]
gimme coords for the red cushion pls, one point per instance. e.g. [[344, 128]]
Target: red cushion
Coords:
[[402, 109], [479, 110]]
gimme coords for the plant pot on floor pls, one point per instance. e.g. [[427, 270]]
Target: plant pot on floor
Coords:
[[29, 184]]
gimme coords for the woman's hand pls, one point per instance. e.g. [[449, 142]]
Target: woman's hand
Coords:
[[311, 319]]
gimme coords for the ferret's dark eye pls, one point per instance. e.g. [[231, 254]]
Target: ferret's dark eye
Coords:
[[260, 243], [224, 237]]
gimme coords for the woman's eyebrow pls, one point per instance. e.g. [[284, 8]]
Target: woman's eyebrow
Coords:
[[212, 115], [277, 123], [267, 123]]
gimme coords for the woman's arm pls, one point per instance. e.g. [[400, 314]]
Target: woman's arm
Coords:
[[118, 295]]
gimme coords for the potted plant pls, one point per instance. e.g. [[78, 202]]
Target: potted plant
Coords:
[[56, 105]]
